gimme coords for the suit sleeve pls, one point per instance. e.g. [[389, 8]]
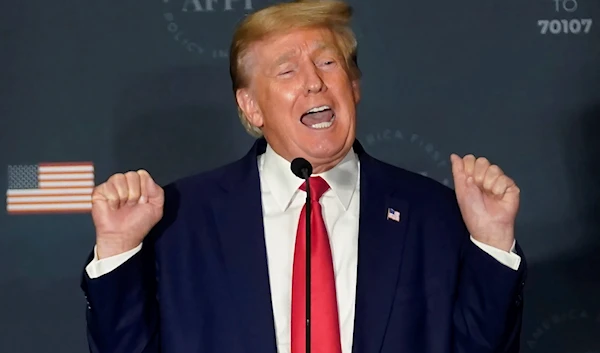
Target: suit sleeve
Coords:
[[99, 267], [123, 308], [122, 313], [488, 305]]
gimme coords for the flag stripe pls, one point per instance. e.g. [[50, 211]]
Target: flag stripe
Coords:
[[38, 212], [52, 184], [67, 172], [68, 176], [65, 169], [49, 191], [49, 199], [60, 206], [65, 164]]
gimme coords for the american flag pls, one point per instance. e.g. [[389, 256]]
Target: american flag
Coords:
[[393, 215], [50, 188]]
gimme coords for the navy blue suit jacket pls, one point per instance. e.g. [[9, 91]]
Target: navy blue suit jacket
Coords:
[[200, 283]]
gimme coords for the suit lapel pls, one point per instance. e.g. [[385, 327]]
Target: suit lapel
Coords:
[[240, 224], [239, 219], [380, 251]]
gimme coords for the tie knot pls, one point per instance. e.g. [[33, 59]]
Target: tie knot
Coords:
[[318, 186]]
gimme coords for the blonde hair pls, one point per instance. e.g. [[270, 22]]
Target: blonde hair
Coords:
[[332, 14]]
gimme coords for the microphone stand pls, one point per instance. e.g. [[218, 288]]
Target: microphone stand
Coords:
[[308, 258]]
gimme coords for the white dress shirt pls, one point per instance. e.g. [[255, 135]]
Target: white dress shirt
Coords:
[[282, 202]]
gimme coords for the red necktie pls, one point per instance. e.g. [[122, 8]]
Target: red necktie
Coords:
[[325, 328]]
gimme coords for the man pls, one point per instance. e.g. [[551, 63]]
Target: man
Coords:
[[215, 262]]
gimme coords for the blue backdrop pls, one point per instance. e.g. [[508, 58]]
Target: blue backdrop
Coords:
[[128, 84]]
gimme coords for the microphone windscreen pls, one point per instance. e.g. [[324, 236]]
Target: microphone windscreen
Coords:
[[301, 168]]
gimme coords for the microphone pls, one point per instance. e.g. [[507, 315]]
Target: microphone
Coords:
[[303, 170]]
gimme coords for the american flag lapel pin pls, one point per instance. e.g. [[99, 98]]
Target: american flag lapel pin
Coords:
[[393, 215]]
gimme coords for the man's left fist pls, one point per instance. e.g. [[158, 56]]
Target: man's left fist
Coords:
[[488, 200]]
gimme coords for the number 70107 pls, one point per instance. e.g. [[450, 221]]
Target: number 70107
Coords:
[[574, 26]]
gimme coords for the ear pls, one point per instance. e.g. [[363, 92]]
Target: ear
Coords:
[[356, 90], [249, 106]]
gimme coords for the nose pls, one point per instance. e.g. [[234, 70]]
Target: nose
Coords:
[[313, 80]]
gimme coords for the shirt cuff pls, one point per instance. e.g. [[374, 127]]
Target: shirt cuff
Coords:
[[509, 259], [97, 268]]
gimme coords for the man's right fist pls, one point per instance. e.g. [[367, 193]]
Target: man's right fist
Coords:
[[124, 210]]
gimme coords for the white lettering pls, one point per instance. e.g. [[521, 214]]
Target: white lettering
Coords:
[[197, 7], [429, 148], [588, 24], [178, 37], [209, 5], [554, 26], [570, 8], [544, 26], [567, 5], [172, 27], [229, 7], [218, 53], [572, 26], [193, 47]]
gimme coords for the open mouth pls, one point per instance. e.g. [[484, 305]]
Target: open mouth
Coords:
[[320, 117]]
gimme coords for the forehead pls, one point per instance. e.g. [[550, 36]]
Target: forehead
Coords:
[[283, 46]]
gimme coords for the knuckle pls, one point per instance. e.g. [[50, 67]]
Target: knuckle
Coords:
[[118, 180], [132, 178], [116, 177], [495, 169], [482, 160]]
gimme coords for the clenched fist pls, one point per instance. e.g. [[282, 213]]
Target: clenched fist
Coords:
[[488, 200], [124, 210]]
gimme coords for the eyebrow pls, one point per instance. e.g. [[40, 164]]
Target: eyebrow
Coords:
[[318, 47]]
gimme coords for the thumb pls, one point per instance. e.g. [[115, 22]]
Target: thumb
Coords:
[[149, 189]]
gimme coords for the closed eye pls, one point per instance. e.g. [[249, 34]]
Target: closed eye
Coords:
[[328, 63]]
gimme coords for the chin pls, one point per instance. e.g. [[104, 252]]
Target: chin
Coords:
[[326, 150]]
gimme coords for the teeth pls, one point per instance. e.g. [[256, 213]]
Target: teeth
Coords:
[[318, 109], [323, 125]]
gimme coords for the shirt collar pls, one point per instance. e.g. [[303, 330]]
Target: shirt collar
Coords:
[[283, 184]]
